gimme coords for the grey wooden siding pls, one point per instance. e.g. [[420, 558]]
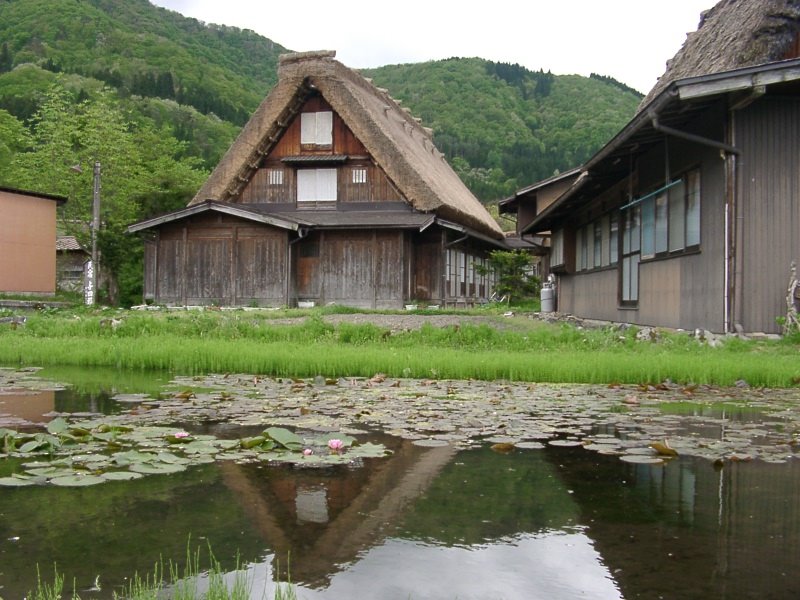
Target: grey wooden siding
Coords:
[[150, 258], [357, 268], [218, 260], [684, 291], [260, 275], [768, 134], [261, 191]]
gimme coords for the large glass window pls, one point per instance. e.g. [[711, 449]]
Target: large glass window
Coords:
[[677, 217], [661, 223], [613, 239], [693, 209], [557, 248], [648, 227], [596, 244], [664, 222]]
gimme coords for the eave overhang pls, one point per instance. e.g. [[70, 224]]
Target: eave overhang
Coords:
[[219, 207], [679, 103]]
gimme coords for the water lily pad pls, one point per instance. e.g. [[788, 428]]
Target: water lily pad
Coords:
[[368, 450], [77, 480], [156, 468], [530, 445], [200, 448], [16, 481], [565, 443], [57, 425], [430, 443], [121, 475], [640, 459], [284, 437], [50, 472]]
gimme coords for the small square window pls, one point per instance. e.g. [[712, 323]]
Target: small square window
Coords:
[[359, 175], [275, 176]]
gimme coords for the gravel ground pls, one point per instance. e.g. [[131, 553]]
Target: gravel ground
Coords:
[[395, 322]]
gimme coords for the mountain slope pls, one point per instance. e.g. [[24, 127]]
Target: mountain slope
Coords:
[[142, 49], [503, 126], [500, 125]]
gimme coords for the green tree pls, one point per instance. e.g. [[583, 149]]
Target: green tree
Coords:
[[512, 270], [143, 171]]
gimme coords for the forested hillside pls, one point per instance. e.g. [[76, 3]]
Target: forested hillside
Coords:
[[157, 98], [503, 126]]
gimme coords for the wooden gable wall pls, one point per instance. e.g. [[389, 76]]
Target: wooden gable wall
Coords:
[[378, 187]]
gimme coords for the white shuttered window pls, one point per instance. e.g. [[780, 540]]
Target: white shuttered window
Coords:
[[316, 128], [316, 185]]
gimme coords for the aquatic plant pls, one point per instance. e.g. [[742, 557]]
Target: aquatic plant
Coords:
[[89, 453]]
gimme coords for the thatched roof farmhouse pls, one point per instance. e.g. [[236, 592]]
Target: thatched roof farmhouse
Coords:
[[332, 192]]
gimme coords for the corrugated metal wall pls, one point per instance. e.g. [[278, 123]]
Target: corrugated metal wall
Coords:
[[768, 134]]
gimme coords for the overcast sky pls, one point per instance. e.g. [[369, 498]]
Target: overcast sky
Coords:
[[629, 40]]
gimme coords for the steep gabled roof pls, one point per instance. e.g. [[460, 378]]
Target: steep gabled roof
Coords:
[[395, 140], [735, 34]]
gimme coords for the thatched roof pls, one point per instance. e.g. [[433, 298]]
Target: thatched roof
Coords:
[[735, 34], [395, 140]]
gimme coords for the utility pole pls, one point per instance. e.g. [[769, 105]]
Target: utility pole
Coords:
[[94, 276]]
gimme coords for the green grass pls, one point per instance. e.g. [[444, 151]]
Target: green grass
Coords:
[[521, 349], [173, 582]]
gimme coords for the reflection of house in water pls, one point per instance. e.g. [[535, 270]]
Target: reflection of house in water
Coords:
[[687, 530], [20, 408], [325, 518]]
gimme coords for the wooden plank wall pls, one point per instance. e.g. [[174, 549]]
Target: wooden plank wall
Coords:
[[768, 134], [357, 268], [219, 260]]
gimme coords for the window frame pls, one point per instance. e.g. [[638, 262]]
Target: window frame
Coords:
[[316, 129], [304, 184]]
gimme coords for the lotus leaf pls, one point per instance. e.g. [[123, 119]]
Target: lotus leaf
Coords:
[[565, 443], [530, 445], [121, 475], [50, 472], [200, 448], [252, 442], [284, 437], [16, 481], [77, 480], [640, 459], [430, 443], [166, 457], [33, 446], [156, 468], [369, 450], [57, 426]]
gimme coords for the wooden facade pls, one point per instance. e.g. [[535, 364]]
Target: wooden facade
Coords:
[[313, 215], [689, 218], [27, 242]]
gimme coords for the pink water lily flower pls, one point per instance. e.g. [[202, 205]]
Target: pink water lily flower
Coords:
[[336, 445], [181, 434], [308, 452]]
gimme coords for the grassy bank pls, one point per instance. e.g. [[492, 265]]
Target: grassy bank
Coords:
[[520, 349]]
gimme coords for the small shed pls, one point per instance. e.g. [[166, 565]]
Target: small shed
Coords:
[[28, 241], [71, 259]]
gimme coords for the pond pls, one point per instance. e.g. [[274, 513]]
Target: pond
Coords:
[[489, 490]]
